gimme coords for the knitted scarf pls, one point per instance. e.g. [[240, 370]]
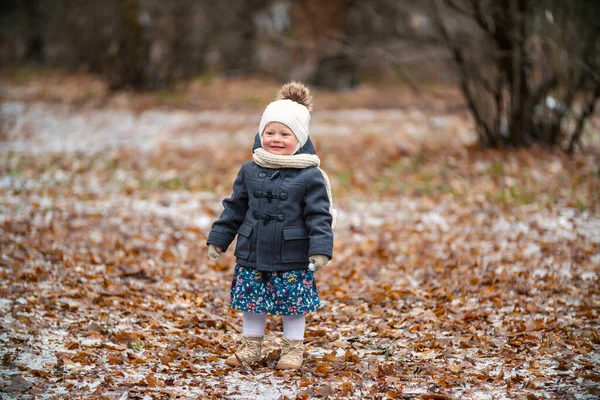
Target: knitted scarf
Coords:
[[269, 160]]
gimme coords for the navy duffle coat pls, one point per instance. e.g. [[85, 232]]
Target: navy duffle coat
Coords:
[[280, 216]]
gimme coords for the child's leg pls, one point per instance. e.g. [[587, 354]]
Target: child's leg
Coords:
[[292, 347], [293, 327], [254, 324], [252, 337]]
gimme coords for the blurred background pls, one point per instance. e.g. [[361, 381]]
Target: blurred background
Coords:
[[527, 70], [151, 44]]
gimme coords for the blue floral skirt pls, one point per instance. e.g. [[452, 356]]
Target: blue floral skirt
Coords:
[[275, 293]]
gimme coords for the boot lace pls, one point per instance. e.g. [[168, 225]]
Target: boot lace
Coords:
[[291, 351]]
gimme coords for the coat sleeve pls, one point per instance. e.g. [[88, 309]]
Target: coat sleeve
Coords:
[[224, 229], [317, 217]]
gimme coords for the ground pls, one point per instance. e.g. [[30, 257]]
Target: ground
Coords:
[[458, 272]]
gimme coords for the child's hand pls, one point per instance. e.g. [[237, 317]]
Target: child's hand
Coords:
[[214, 252], [319, 261]]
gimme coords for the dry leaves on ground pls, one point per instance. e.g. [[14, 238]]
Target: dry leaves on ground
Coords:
[[457, 274]]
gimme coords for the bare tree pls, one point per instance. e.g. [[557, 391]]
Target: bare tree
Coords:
[[528, 70]]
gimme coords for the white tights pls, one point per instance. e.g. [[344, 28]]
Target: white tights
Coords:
[[293, 325]]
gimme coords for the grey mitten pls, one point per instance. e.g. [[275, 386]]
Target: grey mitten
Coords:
[[214, 252], [319, 261]]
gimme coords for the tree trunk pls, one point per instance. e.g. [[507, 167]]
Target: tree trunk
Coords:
[[319, 55], [134, 48], [517, 100], [35, 41], [587, 112]]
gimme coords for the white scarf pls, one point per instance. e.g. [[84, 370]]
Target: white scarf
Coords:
[[269, 160]]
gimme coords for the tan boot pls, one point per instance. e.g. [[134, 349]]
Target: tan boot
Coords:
[[291, 354], [249, 352]]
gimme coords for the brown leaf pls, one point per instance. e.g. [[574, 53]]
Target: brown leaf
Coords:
[[113, 346], [562, 366], [515, 342], [435, 397], [151, 380], [41, 372], [325, 391], [386, 368], [167, 360], [351, 357], [134, 359], [72, 345], [455, 367], [17, 384], [7, 360], [134, 271], [168, 255], [322, 368], [114, 360], [331, 357]]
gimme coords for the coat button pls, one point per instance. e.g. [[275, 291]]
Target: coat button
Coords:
[[262, 174]]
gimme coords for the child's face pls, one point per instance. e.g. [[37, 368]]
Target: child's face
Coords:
[[277, 138]]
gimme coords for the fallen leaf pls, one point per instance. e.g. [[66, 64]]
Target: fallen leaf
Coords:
[[17, 384]]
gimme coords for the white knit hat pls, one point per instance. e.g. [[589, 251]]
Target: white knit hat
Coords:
[[291, 108], [294, 115]]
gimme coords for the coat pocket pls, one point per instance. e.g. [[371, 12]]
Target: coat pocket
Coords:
[[244, 241], [295, 244]]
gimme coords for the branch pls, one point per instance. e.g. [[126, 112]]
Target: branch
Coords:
[[484, 130], [498, 99], [574, 58], [483, 23], [587, 111], [484, 82], [451, 4], [588, 52], [543, 89], [476, 16], [536, 97], [574, 89]]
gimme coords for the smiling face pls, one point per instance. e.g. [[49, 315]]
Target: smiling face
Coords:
[[278, 139]]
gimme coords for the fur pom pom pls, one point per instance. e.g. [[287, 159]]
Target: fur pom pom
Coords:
[[297, 92]]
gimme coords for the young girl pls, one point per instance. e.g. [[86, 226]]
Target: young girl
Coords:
[[281, 211]]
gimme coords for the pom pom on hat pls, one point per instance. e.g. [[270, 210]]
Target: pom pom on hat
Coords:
[[292, 108], [297, 92]]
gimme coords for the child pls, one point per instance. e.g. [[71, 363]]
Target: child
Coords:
[[281, 211]]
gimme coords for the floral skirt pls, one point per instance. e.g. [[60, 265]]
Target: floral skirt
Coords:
[[275, 293]]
